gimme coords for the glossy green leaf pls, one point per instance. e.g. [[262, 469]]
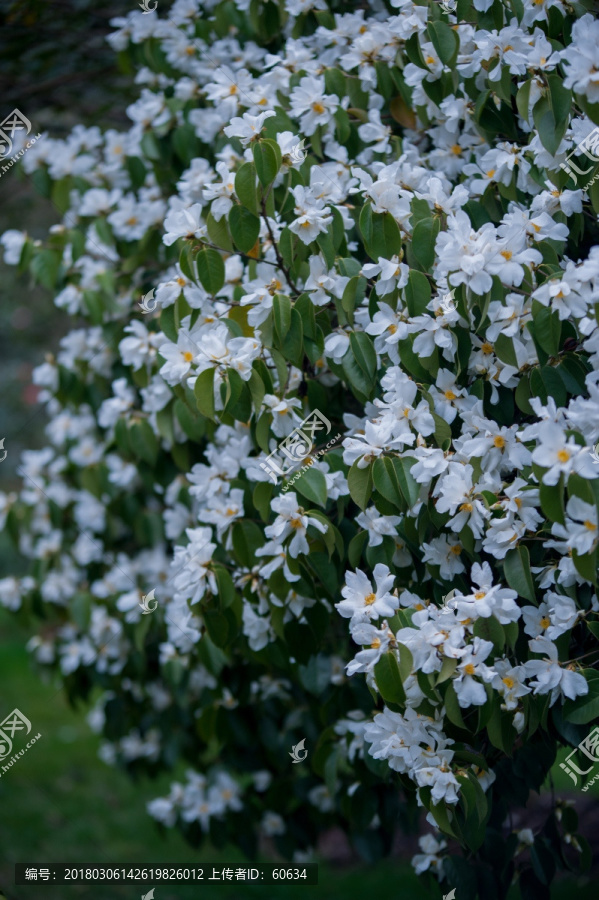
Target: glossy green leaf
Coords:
[[211, 270]]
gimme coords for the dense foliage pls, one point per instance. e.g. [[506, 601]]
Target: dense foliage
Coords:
[[361, 214]]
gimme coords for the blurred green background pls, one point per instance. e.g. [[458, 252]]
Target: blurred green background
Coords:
[[60, 803]]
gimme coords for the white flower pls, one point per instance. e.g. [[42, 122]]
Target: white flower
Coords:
[[361, 599], [292, 520], [256, 628], [471, 665], [179, 358], [550, 677], [183, 223], [310, 103], [560, 454], [246, 127], [312, 215]]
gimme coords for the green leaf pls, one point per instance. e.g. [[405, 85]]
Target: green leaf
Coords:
[[445, 41], [219, 625], [193, 425], [281, 310], [388, 679], [554, 386], [360, 384], [204, 392], [584, 709], [489, 629], [409, 487], [164, 423], [523, 98], [245, 228], [548, 328], [504, 348], [452, 707], [218, 233], [406, 662], [44, 268], [312, 485], [327, 249], [561, 100], [552, 501], [380, 233], [225, 586], [502, 733], [292, 347], [442, 431], [246, 187], [586, 565], [356, 545], [267, 158], [516, 566], [315, 677], [447, 669], [551, 113], [238, 397], [423, 242], [211, 270], [257, 390], [386, 481], [418, 292], [143, 441], [364, 353], [360, 484], [261, 499]]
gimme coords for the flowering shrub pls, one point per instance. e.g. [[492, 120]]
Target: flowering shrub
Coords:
[[360, 215]]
